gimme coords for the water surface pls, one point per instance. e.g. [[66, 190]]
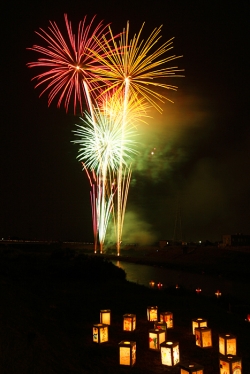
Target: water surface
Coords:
[[209, 284]]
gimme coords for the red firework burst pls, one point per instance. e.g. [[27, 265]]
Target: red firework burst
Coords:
[[70, 66]]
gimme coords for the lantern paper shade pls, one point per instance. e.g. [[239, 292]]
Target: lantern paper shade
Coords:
[[168, 318], [170, 355], [230, 364], [191, 368], [100, 333], [129, 322], [203, 337], [227, 344], [198, 322], [156, 337], [105, 316], [127, 353], [161, 326], [152, 313]]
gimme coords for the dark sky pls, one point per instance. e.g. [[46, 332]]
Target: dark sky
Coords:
[[202, 159]]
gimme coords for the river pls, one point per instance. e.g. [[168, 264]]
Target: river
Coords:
[[209, 284]]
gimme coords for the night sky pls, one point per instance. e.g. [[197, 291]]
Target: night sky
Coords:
[[200, 167]]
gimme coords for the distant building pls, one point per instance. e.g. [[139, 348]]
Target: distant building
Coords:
[[236, 240]]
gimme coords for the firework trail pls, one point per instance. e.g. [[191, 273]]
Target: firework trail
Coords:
[[100, 150], [92, 181], [133, 68]]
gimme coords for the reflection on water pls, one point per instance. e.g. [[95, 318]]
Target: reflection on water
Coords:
[[209, 285]]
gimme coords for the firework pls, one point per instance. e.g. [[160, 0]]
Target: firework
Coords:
[[100, 151], [119, 81], [137, 66], [133, 68], [100, 145], [69, 72], [69, 64], [112, 104]]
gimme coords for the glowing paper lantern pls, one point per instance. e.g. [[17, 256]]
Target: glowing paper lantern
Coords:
[[152, 313], [156, 337], [227, 344], [127, 353], [161, 326], [170, 354], [105, 316], [198, 322], [100, 333], [191, 368], [129, 322], [168, 318], [230, 364], [203, 336], [198, 290]]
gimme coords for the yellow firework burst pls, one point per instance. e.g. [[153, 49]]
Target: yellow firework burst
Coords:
[[112, 104], [137, 66]]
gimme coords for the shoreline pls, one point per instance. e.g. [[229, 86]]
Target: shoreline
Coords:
[[229, 264]]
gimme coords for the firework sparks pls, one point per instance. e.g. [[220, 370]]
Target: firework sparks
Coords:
[[100, 150], [137, 64], [112, 104], [69, 65], [133, 68], [100, 145], [123, 81]]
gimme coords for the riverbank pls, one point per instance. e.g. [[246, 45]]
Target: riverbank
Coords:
[[49, 303], [232, 264]]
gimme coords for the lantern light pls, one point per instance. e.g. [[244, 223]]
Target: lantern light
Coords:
[[248, 318], [156, 337], [230, 364], [203, 336], [218, 293], [100, 333], [152, 313], [227, 344], [198, 322], [152, 284], [198, 290], [160, 285], [170, 354], [191, 368], [168, 318], [105, 316], [129, 322], [127, 353]]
